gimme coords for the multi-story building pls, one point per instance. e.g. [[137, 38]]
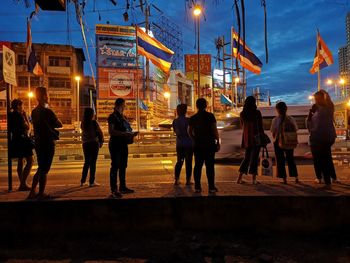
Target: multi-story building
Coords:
[[60, 65]]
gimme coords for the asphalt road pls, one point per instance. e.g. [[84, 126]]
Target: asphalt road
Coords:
[[152, 170]]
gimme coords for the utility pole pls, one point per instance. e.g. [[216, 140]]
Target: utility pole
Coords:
[[223, 64], [147, 12]]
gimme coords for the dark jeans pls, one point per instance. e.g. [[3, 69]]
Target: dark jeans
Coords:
[[184, 154], [119, 156], [202, 156], [281, 156], [45, 152], [250, 161], [323, 162], [90, 157]]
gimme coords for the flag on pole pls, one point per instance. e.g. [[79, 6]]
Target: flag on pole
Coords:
[[245, 55], [225, 100], [151, 48], [323, 56], [32, 61], [142, 105]]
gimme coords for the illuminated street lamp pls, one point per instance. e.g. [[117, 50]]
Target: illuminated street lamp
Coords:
[[311, 98], [342, 82], [348, 104], [77, 79], [30, 96], [197, 12]]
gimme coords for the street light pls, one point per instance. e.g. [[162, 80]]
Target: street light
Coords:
[[30, 96], [77, 79], [342, 82], [311, 98], [236, 95], [197, 12]]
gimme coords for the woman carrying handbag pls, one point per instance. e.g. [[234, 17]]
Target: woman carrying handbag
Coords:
[[253, 138], [285, 140]]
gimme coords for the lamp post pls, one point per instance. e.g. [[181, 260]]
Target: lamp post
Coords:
[[236, 95], [197, 12], [30, 96], [167, 96], [77, 79], [342, 82], [331, 82]]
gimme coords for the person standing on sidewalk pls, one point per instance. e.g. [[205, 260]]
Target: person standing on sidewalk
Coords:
[[320, 123], [203, 131], [21, 146], [251, 122], [120, 136], [92, 137], [184, 150], [282, 125], [45, 123]]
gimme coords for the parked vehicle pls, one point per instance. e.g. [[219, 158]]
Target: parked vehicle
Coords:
[[230, 131]]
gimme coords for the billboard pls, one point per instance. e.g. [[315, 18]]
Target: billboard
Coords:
[[115, 46], [191, 63], [2, 82], [118, 83]]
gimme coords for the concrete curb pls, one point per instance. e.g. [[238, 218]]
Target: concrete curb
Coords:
[[297, 214]]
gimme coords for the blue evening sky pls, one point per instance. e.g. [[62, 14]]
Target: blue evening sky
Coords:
[[292, 28]]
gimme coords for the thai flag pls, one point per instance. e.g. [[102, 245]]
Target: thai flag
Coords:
[[142, 105], [244, 54], [32, 61], [151, 48], [225, 100], [323, 56]]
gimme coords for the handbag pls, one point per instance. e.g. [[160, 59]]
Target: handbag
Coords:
[[266, 167], [261, 139], [287, 139]]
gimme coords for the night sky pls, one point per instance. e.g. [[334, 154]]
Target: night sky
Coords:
[[292, 29]]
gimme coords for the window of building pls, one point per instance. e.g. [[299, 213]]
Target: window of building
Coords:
[[59, 61], [22, 82], [21, 59], [63, 83]]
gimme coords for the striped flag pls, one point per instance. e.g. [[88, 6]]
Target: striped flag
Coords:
[[142, 105], [32, 61], [323, 56], [155, 51], [244, 54]]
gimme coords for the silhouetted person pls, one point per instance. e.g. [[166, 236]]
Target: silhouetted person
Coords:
[[280, 125], [92, 137], [45, 123], [184, 148], [203, 131], [21, 146], [120, 136], [251, 122], [322, 136]]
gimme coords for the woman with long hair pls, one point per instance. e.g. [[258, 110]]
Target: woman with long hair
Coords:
[[21, 146], [280, 126], [251, 122], [92, 138], [322, 136]]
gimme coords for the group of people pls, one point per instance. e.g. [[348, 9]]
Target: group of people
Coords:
[[320, 123], [192, 138], [197, 135]]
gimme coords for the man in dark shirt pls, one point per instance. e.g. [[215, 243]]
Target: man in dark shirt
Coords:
[[45, 123], [203, 131], [120, 136]]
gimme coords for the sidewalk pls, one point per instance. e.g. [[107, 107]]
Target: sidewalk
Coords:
[[168, 190]]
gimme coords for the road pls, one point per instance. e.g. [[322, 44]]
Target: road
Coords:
[[149, 171]]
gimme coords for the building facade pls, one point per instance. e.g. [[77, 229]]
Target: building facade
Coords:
[[60, 65]]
